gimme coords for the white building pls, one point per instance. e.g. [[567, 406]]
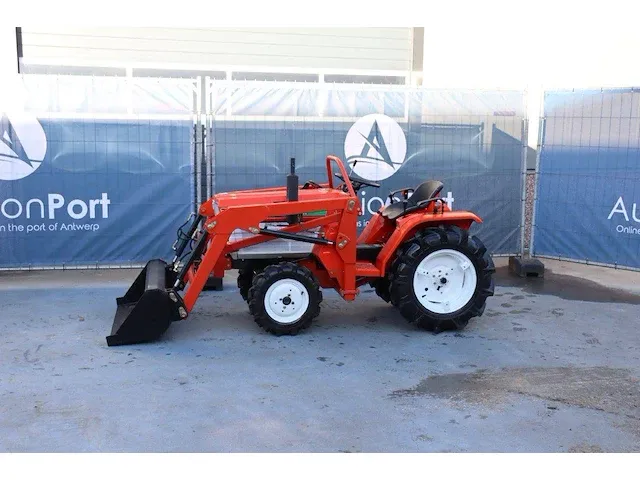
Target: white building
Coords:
[[359, 55]]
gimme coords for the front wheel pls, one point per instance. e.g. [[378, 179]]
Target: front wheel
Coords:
[[441, 278], [284, 298]]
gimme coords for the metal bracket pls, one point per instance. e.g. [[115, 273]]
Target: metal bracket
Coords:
[[342, 241]]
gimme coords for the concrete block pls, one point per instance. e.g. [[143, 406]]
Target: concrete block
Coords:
[[526, 267]]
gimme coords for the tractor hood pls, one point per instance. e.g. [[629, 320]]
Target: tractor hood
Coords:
[[265, 196]]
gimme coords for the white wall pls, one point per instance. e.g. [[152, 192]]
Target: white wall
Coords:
[[317, 48]]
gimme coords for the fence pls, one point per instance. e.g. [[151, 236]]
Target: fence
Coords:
[[588, 178], [102, 171], [473, 141], [95, 171]]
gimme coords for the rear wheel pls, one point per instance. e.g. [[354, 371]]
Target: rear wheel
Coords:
[[284, 298], [441, 278]]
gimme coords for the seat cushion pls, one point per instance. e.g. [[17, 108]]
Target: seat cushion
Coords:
[[393, 210], [424, 191]]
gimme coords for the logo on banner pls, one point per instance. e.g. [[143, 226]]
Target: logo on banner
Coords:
[[23, 146], [375, 147], [620, 209]]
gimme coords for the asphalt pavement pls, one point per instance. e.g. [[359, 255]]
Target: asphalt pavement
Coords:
[[552, 366]]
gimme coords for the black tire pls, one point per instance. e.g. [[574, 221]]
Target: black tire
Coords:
[[245, 279], [271, 274], [409, 256]]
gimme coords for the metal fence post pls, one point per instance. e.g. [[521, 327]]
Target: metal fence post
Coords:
[[523, 265], [196, 163], [209, 132], [536, 175], [523, 185]]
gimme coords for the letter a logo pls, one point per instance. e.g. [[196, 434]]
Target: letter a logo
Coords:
[[375, 147]]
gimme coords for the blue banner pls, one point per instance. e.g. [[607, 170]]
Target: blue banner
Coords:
[[470, 140], [87, 192], [485, 179], [589, 178]]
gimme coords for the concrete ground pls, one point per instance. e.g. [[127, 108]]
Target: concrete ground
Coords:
[[552, 366]]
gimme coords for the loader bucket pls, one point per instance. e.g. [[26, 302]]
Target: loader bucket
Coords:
[[145, 312]]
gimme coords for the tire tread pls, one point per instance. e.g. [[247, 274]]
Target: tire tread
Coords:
[[407, 259], [260, 285]]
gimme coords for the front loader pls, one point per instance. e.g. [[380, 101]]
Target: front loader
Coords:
[[415, 252]]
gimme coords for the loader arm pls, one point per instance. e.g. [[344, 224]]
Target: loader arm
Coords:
[[166, 292], [218, 229]]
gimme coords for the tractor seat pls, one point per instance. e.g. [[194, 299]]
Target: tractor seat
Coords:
[[424, 191]]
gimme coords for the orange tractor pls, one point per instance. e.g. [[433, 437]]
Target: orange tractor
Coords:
[[416, 252]]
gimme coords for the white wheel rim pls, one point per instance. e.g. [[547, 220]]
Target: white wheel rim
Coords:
[[444, 281], [286, 301]]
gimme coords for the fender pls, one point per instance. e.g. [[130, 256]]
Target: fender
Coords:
[[407, 226]]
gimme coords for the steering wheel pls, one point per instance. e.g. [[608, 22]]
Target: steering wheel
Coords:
[[311, 183], [357, 183]]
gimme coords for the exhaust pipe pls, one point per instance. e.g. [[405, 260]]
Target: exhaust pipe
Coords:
[[292, 191]]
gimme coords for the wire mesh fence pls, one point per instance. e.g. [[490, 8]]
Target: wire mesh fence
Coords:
[[472, 141], [101, 171], [588, 178], [95, 171]]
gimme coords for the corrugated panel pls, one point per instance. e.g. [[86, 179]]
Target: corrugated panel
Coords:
[[339, 48]]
